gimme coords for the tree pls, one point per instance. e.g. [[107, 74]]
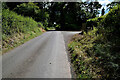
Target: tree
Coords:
[[71, 15], [32, 10], [4, 6], [111, 5], [12, 5], [103, 11]]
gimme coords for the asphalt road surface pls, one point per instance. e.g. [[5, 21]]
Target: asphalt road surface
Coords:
[[42, 57]]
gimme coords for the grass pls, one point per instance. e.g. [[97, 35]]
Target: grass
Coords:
[[50, 28], [17, 29], [96, 54], [10, 42], [93, 56], [81, 60]]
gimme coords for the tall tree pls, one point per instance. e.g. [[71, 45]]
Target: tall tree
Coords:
[[103, 11], [111, 5]]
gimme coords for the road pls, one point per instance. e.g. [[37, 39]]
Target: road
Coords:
[[42, 57]]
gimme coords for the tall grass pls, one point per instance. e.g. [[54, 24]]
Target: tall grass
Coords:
[[14, 23], [17, 29], [96, 54]]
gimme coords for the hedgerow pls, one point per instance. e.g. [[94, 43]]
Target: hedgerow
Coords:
[[96, 54], [14, 23], [17, 29]]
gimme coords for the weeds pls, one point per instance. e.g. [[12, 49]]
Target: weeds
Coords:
[[93, 57], [17, 29]]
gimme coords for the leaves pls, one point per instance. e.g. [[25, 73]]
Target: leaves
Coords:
[[13, 23], [101, 54]]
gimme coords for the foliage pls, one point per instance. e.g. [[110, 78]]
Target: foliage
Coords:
[[32, 10], [94, 21], [112, 4], [93, 57], [41, 25], [10, 42], [112, 19], [70, 16], [103, 11], [4, 6], [96, 53], [13, 23], [27, 9], [17, 29], [82, 55]]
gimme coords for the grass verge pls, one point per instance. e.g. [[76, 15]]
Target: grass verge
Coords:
[[10, 42], [94, 56], [17, 29]]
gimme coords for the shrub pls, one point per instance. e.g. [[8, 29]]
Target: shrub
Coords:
[[27, 9], [94, 22], [112, 20], [32, 10], [100, 47], [41, 25], [92, 49], [14, 23]]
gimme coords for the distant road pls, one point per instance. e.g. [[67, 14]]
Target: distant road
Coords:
[[42, 57]]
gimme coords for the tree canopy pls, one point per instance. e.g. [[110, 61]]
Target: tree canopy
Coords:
[[68, 15]]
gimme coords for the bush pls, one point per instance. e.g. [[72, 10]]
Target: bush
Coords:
[[4, 6], [17, 29], [94, 22], [41, 25], [27, 9], [92, 49], [98, 48], [32, 10], [112, 20], [13, 23]]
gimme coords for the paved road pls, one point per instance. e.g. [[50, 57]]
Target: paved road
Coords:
[[42, 57]]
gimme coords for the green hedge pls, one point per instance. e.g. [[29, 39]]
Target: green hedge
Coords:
[[32, 10], [94, 21], [14, 23], [110, 21], [96, 54]]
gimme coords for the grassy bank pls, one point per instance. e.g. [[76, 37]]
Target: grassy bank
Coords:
[[10, 42], [82, 55], [94, 57], [96, 54], [17, 29]]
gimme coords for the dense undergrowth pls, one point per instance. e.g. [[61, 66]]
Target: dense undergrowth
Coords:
[[96, 54], [17, 29]]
